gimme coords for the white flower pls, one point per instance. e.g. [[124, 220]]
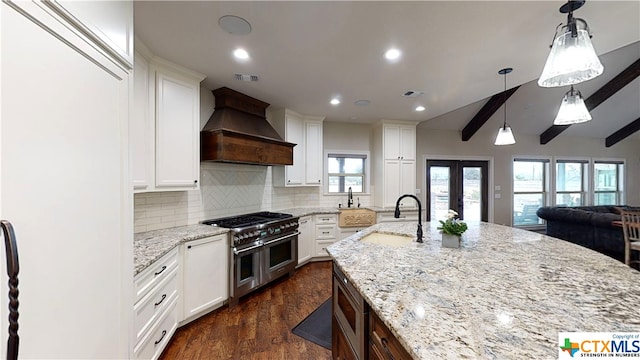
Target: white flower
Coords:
[[451, 214]]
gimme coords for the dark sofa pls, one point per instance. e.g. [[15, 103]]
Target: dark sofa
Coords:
[[588, 226]]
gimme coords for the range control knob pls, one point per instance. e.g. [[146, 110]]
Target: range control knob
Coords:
[[271, 230]]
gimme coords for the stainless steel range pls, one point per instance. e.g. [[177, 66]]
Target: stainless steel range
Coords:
[[264, 247]]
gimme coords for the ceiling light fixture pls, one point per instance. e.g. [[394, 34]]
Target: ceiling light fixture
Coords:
[[420, 108], [335, 101], [392, 54], [234, 25], [505, 135], [241, 54], [572, 59], [572, 109]]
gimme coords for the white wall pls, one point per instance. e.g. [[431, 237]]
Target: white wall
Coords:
[[449, 143]]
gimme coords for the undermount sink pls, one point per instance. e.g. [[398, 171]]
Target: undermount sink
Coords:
[[387, 239]]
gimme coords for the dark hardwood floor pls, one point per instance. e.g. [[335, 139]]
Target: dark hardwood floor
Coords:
[[259, 327]]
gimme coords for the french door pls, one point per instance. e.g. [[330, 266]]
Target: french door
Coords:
[[461, 185]]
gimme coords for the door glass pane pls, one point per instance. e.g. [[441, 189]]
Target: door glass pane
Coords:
[[525, 207], [471, 192], [439, 184]]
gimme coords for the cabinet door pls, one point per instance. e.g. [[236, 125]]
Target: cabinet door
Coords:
[[306, 239], [391, 182], [407, 145], [177, 131], [313, 153], [141, 126], [408, 180], [391, 142], [205, 274], [66, 187], [295, 134]]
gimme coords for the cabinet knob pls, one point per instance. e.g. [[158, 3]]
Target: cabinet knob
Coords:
[[195, 181], [318, 181]]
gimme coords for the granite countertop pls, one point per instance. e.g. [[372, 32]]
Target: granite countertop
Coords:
[[329, 210], [152, 245], [506, 293]]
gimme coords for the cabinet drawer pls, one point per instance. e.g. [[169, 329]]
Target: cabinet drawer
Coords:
[[152, 345], [147, 310], [383, 341], [326, 219], [321, 247], [155, 273], [325, 232], [350, 313]]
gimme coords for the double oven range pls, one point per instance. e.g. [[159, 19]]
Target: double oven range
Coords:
[[264, 247]]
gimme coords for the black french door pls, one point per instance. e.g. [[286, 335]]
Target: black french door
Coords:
[[461, 185]]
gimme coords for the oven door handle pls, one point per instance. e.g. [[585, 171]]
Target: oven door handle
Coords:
[[238, 252], [282, 238]]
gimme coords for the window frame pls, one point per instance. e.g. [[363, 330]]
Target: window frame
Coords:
[[585, 193], [620, 179], [348, 153], [547, 190]]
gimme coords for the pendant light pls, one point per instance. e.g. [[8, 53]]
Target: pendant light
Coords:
[[572, 109], [572, 59], [505, 135]]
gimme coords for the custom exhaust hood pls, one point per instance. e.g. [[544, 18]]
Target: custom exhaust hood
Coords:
[[238, 132]]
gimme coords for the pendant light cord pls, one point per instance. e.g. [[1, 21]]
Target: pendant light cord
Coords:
[[505, 102]]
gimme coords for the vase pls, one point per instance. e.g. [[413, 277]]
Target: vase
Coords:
[[450, 241]]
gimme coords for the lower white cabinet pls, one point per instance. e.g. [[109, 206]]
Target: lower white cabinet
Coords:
[[325, 234], [155, 311], [205, 275], [306, 239]]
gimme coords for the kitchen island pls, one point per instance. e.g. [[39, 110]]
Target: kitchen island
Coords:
[[506, 293]]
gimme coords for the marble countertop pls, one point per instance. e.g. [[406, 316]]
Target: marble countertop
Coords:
[[506, 293], [152, 245]]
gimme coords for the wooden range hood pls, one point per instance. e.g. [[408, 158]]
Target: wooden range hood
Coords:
[[238, 132]]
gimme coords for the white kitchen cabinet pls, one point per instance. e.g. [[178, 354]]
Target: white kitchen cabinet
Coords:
[[306, 133], [401, 180], [326, 228], [399, 142], [65, 182], [306, 239], [166, 124], [394, 164], [205, 275]]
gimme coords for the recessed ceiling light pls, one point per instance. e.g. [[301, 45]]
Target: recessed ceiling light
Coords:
[[241, 54], [335, 101], [234, 25], [420, 108], [392, 54]]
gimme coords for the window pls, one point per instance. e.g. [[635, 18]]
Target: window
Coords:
[[571, 182], [608, 182], [530, 190], [346, 171]]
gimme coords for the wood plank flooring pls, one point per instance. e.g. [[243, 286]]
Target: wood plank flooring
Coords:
[[259, 327]]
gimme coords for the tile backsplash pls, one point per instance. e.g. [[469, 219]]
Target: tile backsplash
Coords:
[[226, 190]]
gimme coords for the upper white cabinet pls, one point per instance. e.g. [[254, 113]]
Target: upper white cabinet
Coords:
[[205, 282], [165, 126], [306, 133], [394, 162], [399, 142]]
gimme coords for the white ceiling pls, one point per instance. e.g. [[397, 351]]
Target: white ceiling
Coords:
[[307, 52]]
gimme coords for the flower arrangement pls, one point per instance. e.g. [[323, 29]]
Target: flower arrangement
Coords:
[[452, 225]]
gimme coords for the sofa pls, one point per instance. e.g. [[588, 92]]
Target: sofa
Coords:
[[588, 226]]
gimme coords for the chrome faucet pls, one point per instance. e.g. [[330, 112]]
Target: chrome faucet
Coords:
[[396, 214], [350, 198]]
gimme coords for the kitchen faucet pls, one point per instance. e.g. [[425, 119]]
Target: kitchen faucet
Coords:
[[350, 198], [396, 214]]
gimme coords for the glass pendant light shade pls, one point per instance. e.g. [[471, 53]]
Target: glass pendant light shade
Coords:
[[572, 109], [505, 136], [572, 59]]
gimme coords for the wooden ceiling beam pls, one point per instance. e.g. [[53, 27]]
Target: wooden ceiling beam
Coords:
[[614, 85], [623, 133], [486, 112]]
